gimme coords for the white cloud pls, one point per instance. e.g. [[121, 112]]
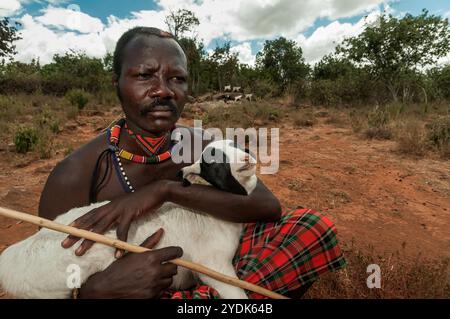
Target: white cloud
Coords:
[[242, 21], [52, 2], [9, 7], [244, 52], [40, 42], [324, 39], [116, 27], [63, 18], [247, 20]]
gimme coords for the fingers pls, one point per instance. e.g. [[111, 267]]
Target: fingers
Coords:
[[101, 228], [153, 240], [122, 234], [69, 241], [165, 283], [168, 253], [84, 222], [169, 270]]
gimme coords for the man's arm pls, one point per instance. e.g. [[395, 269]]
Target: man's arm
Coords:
[[62, 191], [260, 205]]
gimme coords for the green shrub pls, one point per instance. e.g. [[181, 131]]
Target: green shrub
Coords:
[[25, 139], [78, 98]]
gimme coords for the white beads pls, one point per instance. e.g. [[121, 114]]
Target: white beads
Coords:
[[125, 177]]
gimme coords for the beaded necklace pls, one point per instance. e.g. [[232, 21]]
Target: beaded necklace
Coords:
[[151, 145], [145, 142]]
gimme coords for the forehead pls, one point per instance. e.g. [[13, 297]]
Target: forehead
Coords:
[[150, 49]]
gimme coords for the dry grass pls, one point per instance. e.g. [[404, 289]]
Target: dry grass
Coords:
[[400, 278], [411, 137], [243, 115], [304, 118]]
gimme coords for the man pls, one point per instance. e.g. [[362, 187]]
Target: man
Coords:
[[150, 76]]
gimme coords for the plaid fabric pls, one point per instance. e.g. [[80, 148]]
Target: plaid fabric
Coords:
[[282, 256], [199, 292]]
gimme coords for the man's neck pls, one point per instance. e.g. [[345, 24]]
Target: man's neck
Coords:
[[130, 144], [137, 130]]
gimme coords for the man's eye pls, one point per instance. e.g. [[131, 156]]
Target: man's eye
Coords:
[[143, 75], [180, 79]]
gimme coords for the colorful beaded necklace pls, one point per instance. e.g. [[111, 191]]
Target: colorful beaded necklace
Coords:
[[149, 144]]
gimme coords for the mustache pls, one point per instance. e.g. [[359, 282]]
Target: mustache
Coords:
[[158, 102]]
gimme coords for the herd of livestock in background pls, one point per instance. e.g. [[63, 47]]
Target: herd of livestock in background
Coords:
[[229, 94]]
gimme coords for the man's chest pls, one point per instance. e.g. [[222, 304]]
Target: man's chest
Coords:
[[123, 176]]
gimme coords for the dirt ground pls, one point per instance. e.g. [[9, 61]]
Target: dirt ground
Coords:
[[376, 197]]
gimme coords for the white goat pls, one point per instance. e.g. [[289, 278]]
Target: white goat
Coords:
[[227, 88], [37, 266], [236, 89]]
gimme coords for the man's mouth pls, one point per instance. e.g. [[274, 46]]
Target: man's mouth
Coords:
[[162, 108], [160, 111]]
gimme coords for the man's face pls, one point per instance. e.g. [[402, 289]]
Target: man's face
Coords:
[[153, 83]]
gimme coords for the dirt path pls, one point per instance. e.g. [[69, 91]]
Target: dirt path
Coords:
[[376, 197]]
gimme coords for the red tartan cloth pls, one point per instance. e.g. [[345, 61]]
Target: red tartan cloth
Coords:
[[281, 256]]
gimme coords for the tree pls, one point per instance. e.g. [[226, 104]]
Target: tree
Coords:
[[395, 50], [282, 61], [181, 22], [74, 70], [226, 64], [194, 52], [331, 67], [8, 34], [336, 81]]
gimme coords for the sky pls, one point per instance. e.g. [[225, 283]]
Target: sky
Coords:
[[93, 26]]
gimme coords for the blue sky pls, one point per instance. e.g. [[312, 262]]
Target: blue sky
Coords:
[[93, 26]]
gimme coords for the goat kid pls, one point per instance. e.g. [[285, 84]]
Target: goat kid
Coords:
[[37, 266]]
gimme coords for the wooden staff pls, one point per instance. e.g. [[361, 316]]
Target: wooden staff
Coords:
[[42, 222]]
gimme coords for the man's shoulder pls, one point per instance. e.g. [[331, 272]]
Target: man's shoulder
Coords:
[[81, 162]]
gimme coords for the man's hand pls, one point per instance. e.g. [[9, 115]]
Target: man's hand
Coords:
[[144, 275], [121, 213]]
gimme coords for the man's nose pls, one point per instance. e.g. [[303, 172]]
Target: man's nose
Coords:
[[161, 89]]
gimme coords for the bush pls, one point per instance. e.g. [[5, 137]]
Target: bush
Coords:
[[411, 138], [49, 121], [378, 124], [78, 98], [25, 139], [439, 135]]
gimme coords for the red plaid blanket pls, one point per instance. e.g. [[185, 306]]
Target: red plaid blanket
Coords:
[[281, 256]]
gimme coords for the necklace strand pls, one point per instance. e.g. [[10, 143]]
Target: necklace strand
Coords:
[[121, 153]]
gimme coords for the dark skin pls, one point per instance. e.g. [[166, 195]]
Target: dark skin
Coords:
[[153, 69]]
